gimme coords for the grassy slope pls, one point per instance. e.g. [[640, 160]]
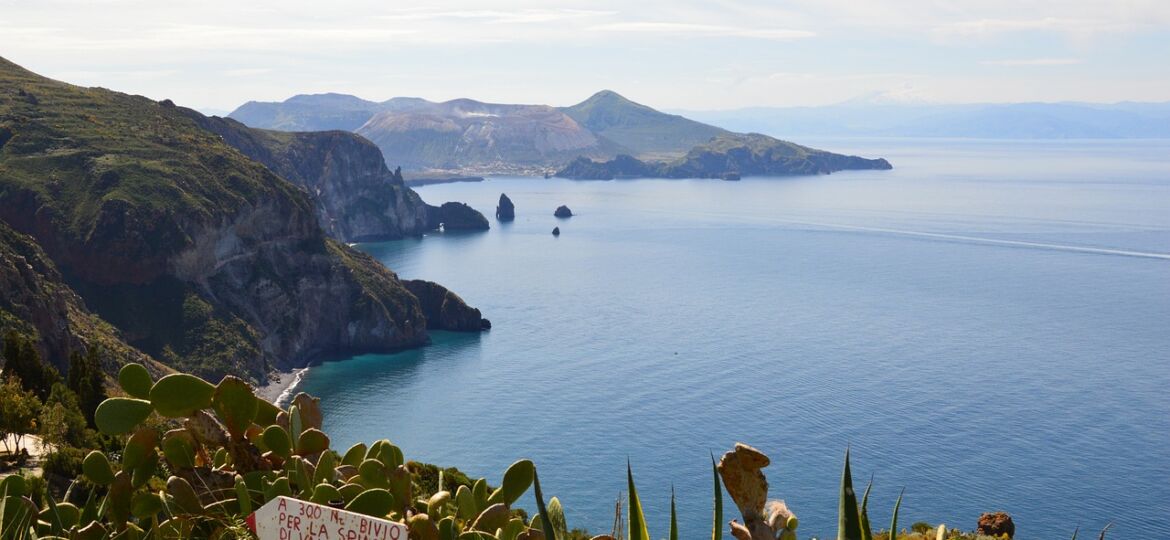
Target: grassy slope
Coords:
[[79, 147]]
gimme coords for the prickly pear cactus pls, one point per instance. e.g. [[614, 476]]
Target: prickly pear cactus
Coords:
[[199, 458], [741, 472]]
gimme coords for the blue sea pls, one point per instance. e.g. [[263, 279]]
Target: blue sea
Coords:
[[987, 326]]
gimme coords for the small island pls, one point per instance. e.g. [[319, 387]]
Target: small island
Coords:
[[726, 157]]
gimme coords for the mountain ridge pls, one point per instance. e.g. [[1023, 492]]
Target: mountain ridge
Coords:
[[470, 137]]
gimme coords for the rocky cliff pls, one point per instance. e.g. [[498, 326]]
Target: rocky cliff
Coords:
[[444, 309], [200, 256], [35, 302], [358, 199]]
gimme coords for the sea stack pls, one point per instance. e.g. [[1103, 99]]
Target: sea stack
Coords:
[[556, 231], [505, 211], [563, 212]]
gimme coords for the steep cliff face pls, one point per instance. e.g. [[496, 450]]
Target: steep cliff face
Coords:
[[201, 256], [36, 302], [357, 198]]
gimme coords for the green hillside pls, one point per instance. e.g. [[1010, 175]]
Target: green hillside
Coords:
[[641, 129]]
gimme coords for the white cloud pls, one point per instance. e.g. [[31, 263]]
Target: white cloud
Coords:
[[990, 27], [247, 72], [1024, 62], [703, 30], [520, 16]]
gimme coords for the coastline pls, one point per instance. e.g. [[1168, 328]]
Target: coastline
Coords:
[[281, 385]]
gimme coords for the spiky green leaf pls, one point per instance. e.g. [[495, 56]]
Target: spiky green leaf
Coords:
[[848, 517], [717, 521], [637, 524]]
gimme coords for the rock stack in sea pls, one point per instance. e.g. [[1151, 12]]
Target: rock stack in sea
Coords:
[[563, 212], [505, 211], [556, 231]]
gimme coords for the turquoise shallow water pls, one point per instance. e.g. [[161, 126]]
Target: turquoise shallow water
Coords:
[[987, 326]]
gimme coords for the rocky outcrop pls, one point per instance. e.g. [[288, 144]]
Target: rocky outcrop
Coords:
[[563, 211], [556, 231], [505, 210], [727, 157], [996, 524], [357, 198], [35, 302], [456, 216], [444, 309], [200, 256]]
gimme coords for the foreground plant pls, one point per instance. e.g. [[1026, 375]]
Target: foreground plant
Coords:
[[199, 458]]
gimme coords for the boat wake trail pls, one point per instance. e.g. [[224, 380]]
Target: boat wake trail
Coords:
[[989, 241]]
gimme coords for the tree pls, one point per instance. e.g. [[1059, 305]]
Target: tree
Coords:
[[61, 422], [22, 361], [85, 379], [18, 412]]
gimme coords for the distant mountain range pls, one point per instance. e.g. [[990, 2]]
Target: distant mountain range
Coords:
[[987, 121], [468, 137]]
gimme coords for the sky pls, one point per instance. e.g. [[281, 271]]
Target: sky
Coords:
[[672, 54]]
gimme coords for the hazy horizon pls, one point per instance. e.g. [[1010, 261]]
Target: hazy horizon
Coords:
[[217, 55]]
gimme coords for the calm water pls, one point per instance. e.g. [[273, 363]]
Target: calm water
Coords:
[[987, 325]]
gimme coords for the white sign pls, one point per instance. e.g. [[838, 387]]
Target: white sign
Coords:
[[285, 518]]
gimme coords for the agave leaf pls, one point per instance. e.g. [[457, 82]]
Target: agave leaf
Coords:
[[3, 504], [717, 522], [56, 526], [848, 517], [866, 531], [1102, 537], [638, 530], [545, 521], [894, 520], [673, 517], [1075, 531]]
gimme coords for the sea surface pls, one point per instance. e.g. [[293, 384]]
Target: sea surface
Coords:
[[987, 326]]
